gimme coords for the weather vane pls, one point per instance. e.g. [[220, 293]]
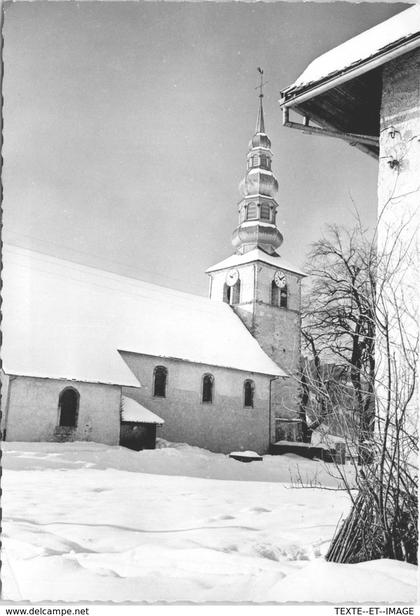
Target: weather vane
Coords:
[[262, 83]]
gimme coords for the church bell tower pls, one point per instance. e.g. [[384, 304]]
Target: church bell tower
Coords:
[[261, 287]]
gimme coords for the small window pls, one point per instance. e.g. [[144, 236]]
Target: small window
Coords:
[[283, 297], [68, 403], [208, 385], [160, 375], [265, 211], [249, 388], [275, 294], [252, 211]]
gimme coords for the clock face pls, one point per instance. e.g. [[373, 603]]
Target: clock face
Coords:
[[280, 280], [232, 277]]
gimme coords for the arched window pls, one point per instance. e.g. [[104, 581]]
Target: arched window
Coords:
[[265, 211], [283, 297], [68, 404], [249, 388], [275, 294], [208, 386], [160, 375], [252, 211], [235, 293]]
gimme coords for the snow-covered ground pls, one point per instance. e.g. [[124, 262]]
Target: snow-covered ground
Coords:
[[83, 521]]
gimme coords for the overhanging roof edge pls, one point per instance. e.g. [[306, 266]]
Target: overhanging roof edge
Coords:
[[292, 96]]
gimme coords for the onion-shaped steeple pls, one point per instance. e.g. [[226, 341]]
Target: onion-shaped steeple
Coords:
[[258, 207]]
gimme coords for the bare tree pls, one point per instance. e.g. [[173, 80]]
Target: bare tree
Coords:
[[361, 340], [338, 326]]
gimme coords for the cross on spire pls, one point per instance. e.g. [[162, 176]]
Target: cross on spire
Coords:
[[262, 83]]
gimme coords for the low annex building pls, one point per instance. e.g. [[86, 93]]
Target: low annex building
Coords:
[[217, 371]]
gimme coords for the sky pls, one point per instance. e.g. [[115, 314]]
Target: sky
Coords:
[[126, 128]]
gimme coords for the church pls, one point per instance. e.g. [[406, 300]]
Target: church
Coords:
[[81, 346]]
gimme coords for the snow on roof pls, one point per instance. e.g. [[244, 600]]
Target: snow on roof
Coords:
[[361, 48], [49, 329], [65, 320], [256, 255], [134, 411]]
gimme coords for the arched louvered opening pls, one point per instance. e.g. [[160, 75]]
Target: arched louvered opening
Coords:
[[252, 211], [68, 404], [265, 211]]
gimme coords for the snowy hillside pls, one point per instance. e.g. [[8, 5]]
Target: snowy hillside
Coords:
[[84, 521]]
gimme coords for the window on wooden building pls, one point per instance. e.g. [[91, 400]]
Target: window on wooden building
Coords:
[[208, 386], [68, 404], [249, 388], [160, 375]]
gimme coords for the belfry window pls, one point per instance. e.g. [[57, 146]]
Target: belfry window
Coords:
[[232, 294], [227, 292], [68, 404], [283, 297], [207, 388], [252, 211], [249, 388], [160, 375], [265, 211], [275, 294], [235, 293]]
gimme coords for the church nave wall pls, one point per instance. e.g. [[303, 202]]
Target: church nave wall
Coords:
[[221, 426]]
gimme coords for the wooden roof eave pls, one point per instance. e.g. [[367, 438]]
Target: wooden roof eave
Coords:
[[329, 129], [315, 101]]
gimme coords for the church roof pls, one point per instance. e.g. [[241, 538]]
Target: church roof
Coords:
[[65, 320], [256, 255], [134, 411]]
